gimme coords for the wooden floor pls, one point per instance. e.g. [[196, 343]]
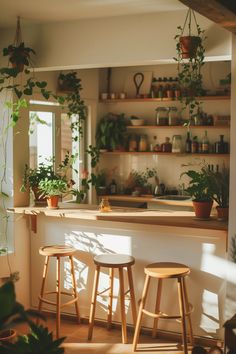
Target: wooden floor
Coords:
[[105, 341]]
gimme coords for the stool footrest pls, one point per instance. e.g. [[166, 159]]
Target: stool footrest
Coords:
[[166, 316], [53, 302]]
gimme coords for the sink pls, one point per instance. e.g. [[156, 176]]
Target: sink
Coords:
[[173, 197]]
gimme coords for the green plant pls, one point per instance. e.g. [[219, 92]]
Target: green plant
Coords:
[[51, 187], [200, 185], [39, 341], [111, 131], [19, 55], [140, 179], [220, 185], [32, 176], [12, 312], [189, 70]]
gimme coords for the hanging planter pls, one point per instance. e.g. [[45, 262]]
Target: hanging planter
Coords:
[[190, 37], [19, 55]]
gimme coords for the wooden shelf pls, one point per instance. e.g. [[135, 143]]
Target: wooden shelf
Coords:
[[107, 153], [202, 98], [178, 127]]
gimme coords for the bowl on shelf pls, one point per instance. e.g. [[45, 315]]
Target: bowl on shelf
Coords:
[[137, 121]]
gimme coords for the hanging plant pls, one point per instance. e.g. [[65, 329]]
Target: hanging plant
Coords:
[[190, 59], [19, 54]]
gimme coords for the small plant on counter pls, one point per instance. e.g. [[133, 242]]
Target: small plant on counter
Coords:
[[201, 190], [220, 183], [139, 181], [52, 189]]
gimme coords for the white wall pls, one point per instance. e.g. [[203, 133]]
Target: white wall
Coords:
[[126, 40]]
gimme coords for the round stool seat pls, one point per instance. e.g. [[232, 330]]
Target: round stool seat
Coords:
[[57, 251], [114, 260], [166, 270]]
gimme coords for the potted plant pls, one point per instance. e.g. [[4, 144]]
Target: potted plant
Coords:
[[40, 340], [32, 177], [190, 59], [201, 190], [139, 181], [111, 132], [220, 182], [52, 189], [19, 55]]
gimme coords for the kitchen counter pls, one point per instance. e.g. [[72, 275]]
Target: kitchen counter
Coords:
[[147, 198], [169, 218]]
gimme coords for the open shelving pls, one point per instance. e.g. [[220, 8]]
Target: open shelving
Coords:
[[202, 98], [107, 153]]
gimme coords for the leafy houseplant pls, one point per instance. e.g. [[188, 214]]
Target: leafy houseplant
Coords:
[[220, 183], [190, 63], [201, 190], [52, 189], [32, 177], [111, 131], [39, 341], [19, 55], [139, 181]]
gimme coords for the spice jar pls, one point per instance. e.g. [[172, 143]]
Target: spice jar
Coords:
[[143, 144], [162, 115]]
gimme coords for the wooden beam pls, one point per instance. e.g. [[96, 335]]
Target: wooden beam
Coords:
[[221, 12]]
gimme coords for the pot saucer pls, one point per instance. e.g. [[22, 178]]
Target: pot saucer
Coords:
[[203, 219], [52, 208]]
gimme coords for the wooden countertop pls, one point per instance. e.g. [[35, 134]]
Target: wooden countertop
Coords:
[[148, 198], [173, 218]]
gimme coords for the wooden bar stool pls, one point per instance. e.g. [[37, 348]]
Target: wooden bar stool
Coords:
[[58, 251], [160, 271], [120, 262]]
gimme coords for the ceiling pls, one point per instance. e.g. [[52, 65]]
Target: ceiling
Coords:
[[46, 11]]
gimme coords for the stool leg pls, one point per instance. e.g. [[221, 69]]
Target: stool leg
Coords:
[[132, 294], [122, 306], [58, 292], [45, 271], [140, 312], [182, 314], [93, 302], [111, 281], [187, 310], [72, 269], [157, 308]]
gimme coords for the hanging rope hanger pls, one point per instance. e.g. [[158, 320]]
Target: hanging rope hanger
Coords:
[[18, 35]]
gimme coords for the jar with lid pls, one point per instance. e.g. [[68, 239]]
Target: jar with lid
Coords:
[[143, 143], [173, 116], [162, 115], [177, 143]]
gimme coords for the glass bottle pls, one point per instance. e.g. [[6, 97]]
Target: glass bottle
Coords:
[[162, 115], [188, 144], [143, 144], [166, 146], [177, 143], [113, 187], [194, 145], [205, 144], [220, 146], [104, 206]]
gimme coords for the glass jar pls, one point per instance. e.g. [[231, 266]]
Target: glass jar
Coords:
[[177, 143], [133, 143], [162, 115], [143, 143], [173, 116]]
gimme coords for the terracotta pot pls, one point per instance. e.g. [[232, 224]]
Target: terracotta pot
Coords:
[[202, 209], [53, 201], [188, 45], [8, 335], [222, 213]]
